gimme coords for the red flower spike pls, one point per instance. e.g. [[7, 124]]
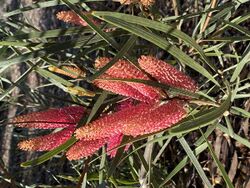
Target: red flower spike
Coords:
[[110, 125], [137, 120], [166, 73], [125, 70], [114, 142], [127, 103], [84, 148], [72, 17], [155, 118], [50, 119], [47, 142], [119, 87]]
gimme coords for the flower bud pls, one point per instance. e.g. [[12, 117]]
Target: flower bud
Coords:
[[47, 142], [166, 73], [50, 119]]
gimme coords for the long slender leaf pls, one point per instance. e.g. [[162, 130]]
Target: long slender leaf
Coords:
[[202, 120], [162, 43], [245, 59], [182, 164], [41, 5], [195, 162], [166, 28], [236, 137], [127, 46], [97, 105], [219, 165], [50, 33]]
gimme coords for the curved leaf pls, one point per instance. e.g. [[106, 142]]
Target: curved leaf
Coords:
[[164, 27], [162, 43], [202, 120]]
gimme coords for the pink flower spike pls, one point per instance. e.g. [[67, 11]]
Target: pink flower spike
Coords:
[[47, 142], [119, 87], [127, 103], [125, 70], [84, 148], [166, 73], [114, 142], [111, 124], [50, 119], [155, 118], [72, 17]]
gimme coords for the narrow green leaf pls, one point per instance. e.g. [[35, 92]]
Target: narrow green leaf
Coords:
[[97, 105], [229, 126], [245, 59], [219, 165], [50, 49], [17, 82], [162, 150], [50, 33], [240, 111], [182, 164], [39, 53], [127, 46], [41, 5], [19, 44], [202, 120], [236, 137], [162, 43], [102, 166], [57, 80], [164, 27], [239, 96], [237, 27], [195, 162], [90, 23], [118, 157]]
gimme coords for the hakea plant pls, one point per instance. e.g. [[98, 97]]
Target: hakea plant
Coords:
[[150, 115]]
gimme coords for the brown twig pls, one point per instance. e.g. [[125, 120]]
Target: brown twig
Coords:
[[85, 170], [213, 3]]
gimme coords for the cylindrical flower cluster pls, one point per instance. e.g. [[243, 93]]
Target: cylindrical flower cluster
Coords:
[[72, 17]]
